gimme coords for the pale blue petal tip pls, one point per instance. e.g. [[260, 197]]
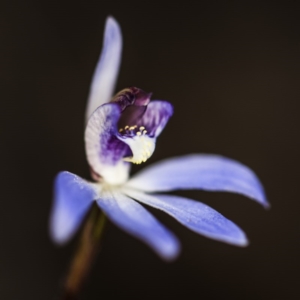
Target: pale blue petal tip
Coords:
[[240, 240], [266, 204], [245, 242], [112, 22], [112, 29]]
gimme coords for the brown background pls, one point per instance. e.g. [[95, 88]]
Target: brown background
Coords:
[[231, 69]]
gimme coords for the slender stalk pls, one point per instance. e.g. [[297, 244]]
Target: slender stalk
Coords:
[[85, 254]]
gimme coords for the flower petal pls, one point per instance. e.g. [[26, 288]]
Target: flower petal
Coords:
[[73, 197], [195, 216], [207, 172], [104, 150], [106, 72], [156, 117], [136, 220]]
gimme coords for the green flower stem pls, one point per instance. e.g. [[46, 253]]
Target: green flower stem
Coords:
[[85, 254]]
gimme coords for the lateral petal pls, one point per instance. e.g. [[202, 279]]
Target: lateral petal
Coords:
[[104, 150], [137, 221], [73, 197], [200, 171], [194, 215]]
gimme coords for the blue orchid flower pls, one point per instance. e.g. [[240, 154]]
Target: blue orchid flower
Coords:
[[122, 130]]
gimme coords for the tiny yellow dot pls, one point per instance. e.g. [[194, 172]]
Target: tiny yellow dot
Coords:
[[126, 127], [121, 129], [142, 127], [138, 133]]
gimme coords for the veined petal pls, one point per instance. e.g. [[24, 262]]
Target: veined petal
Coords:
[[137, 221], [194, 215], [207, 172], [73, 197], [106, 72], [104, 150]]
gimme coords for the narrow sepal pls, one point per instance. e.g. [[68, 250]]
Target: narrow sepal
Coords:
[[137, 221], [73, 197], [195, 215], [200, 171], [106, 72]]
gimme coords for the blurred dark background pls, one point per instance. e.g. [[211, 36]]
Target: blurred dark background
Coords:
[[231, 69]]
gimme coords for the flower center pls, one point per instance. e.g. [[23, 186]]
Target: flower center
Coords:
[[133, 130], [141, 145]]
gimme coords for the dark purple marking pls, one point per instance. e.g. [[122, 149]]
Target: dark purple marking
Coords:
[[131, 115], [111, 148], [132, 96]]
